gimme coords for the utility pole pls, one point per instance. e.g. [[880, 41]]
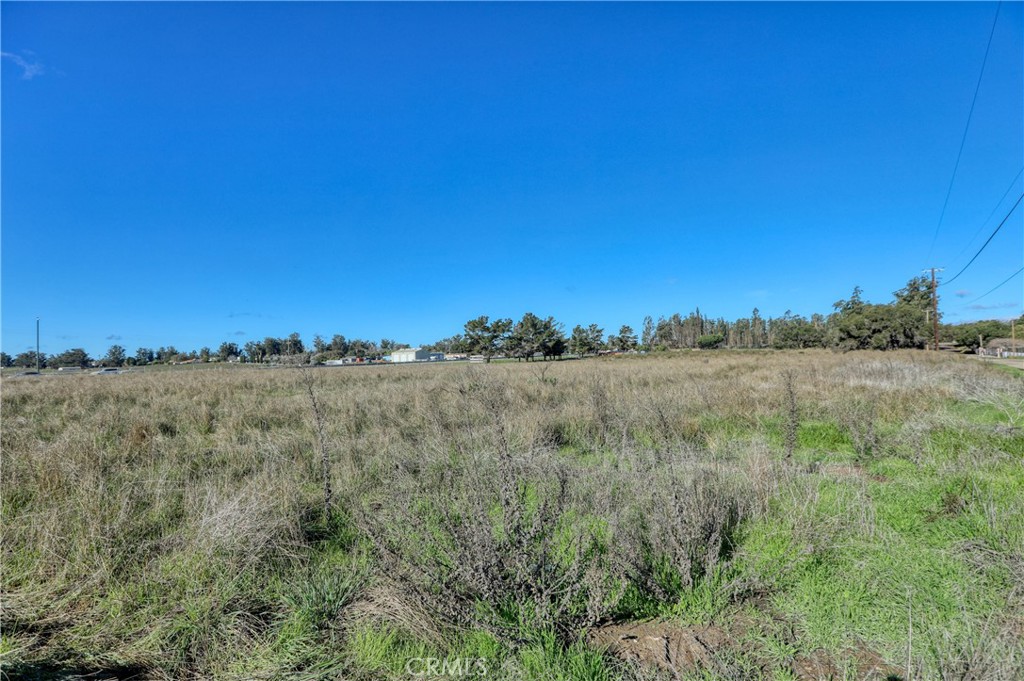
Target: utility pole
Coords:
[[1013, 336], [935, 308], [37, 345]]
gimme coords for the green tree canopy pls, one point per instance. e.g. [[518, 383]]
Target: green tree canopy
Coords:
[[626, 338], [228, 350], [27, 360], [115, 356], [75, 357], [487, 338]]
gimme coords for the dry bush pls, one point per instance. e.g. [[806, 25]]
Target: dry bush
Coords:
[[1003, 393], [514, 539], [498, 538]]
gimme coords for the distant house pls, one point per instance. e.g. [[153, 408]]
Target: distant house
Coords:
[[1004, 347], [410, 355], [343, 361]]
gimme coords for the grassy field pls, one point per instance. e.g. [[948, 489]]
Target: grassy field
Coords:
[[745, 515]]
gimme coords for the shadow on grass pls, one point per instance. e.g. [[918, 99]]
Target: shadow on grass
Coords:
[[48, 672]]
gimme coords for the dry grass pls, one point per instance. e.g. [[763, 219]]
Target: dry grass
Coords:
[[176, 520]]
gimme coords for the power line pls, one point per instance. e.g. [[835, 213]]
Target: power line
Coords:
[[985, 222], [950, 281], [998, 286], [967, 127]]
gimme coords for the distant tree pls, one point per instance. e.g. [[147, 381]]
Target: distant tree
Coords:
[[204, 354], [271, 346], [27, 360], [552, 342], [319, 344], [115, 356], [363, 349], [339, 345], [626, 338], [710, 341], [967, 335], [857, 325], [165, 355], [525, 339], [227, 350], [76, 357], [487, 338], [795, 332], [292, 345], [533, 335], [579, 341], [917, 294], [758, 329], [6, 360], [914, 304], [255, 351], [647, 335], [144, 356], [453, 344]]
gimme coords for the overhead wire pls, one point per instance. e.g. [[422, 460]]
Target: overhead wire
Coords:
[[985, 221], [967, 127], [987, 241], [998, 286]]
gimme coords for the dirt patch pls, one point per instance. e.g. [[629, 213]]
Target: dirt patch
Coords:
[[861, 664], [672, 647], [661, 644]]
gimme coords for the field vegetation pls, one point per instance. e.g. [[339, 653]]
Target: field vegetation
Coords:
[[780, 515]]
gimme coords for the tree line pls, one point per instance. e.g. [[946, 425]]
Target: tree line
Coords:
[[853, 324], [290, 349]]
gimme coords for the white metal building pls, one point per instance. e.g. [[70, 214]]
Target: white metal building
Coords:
[[410, 355]]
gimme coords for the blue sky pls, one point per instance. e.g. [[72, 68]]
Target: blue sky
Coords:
[[189, 173]]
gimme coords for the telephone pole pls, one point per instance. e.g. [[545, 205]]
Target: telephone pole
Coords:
[[1013, 335], [935, 308]]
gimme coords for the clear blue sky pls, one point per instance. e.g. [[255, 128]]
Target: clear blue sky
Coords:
[[189, 173]]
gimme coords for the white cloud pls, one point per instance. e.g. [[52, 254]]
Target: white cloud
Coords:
[[29, 70]]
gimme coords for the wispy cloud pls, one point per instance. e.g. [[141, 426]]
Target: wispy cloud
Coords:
[[29, 69], [234, 315], [962, 293], [1000, 306], [238, 333], [113, 336]]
